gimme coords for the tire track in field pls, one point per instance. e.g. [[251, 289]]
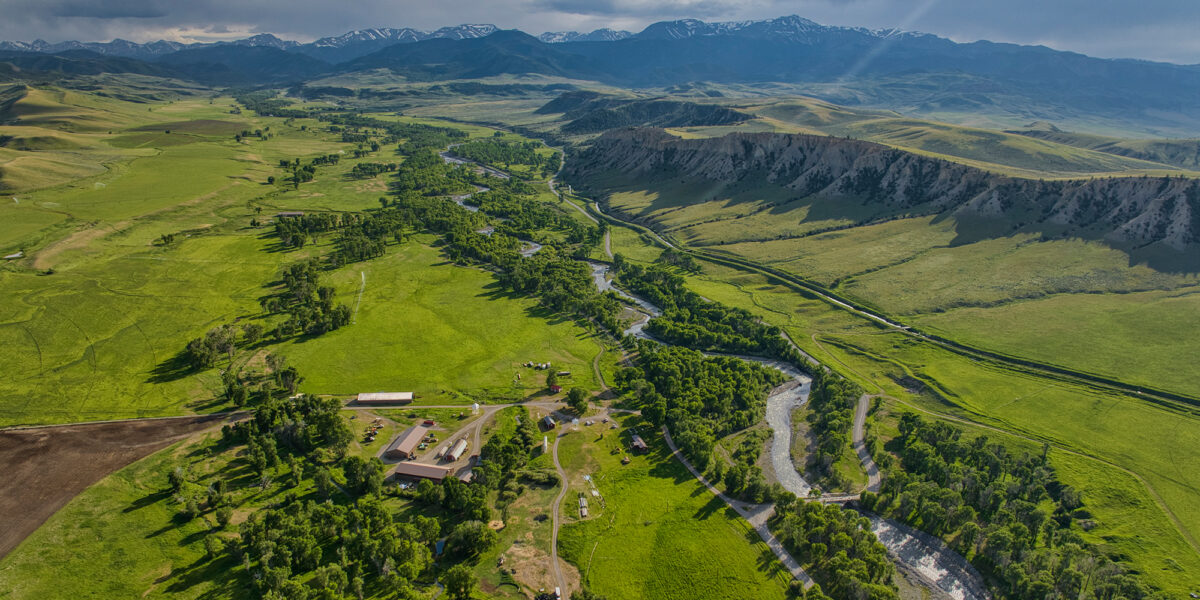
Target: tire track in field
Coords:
[[153, 358], [36, 345], [91, 349]]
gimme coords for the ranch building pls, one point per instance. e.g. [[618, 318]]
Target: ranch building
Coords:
[[385, 398], [405, 444], [411, 470]]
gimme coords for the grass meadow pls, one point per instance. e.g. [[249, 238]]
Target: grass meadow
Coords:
[[445, 332], [658, 533], [95, 339]]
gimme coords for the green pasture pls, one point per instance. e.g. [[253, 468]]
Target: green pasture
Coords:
[[1072, 302], [1145, 338], [658, 533], [442, 331], [96, 339]]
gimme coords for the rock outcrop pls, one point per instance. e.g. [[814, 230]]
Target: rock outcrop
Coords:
[[1130, 212]]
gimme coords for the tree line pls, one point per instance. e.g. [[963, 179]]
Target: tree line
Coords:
[[837, 549], [1008, 513], [831, 404]]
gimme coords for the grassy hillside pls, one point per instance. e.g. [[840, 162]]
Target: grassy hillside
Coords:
[[96, 312], [998, 276], [980, 146], [1180, 153]]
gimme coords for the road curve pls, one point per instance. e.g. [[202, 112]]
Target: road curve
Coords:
[[860, 445]]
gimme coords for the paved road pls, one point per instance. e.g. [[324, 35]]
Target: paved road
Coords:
[[755, 514]]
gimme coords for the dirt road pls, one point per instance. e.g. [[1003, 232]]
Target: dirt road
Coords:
[[860, 445], [562, 477]]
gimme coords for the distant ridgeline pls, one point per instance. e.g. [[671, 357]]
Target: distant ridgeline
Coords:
[[592, 112], [1129, 213]]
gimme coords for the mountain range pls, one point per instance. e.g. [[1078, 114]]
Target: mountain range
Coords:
[[910, 72], [360, 42]]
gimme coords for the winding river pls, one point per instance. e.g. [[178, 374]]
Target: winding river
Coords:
[[947, 573], [528, 248]]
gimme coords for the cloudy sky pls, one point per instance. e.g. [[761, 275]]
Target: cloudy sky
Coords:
[[1150, 29]]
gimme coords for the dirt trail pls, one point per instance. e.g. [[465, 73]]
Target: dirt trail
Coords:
[[755, 514], [860, 445], [562, 493]]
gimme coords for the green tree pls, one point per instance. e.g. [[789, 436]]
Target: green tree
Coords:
[[251, 333], [471, 538], [551, 379], [323, 482], [224, 514], [176, 478], [363, 476], [459, 582], [577, 398]]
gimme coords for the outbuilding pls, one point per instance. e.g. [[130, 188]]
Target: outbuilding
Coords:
[[385, 398], [405, 445], [411, 470], [456, 451], [548, 422], [638, 443]]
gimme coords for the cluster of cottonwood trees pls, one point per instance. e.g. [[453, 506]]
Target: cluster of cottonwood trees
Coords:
[[831, 405], [690, 320], [1008, 513], [743, 478], [504, 153], [837, 549], [297, 231], [700, 398], [367, 170], [309, 305]]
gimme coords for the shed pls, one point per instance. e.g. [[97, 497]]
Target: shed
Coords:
[[555, 389], [457, 450], [638, 443], [548, 422], [385, 398], [411, 470], [405, 444]]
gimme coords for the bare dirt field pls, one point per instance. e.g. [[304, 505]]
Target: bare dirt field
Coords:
[[45, 467]]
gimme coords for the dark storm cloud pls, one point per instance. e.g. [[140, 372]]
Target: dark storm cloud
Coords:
[[118, 9], [1150, 29], [627, 8]]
